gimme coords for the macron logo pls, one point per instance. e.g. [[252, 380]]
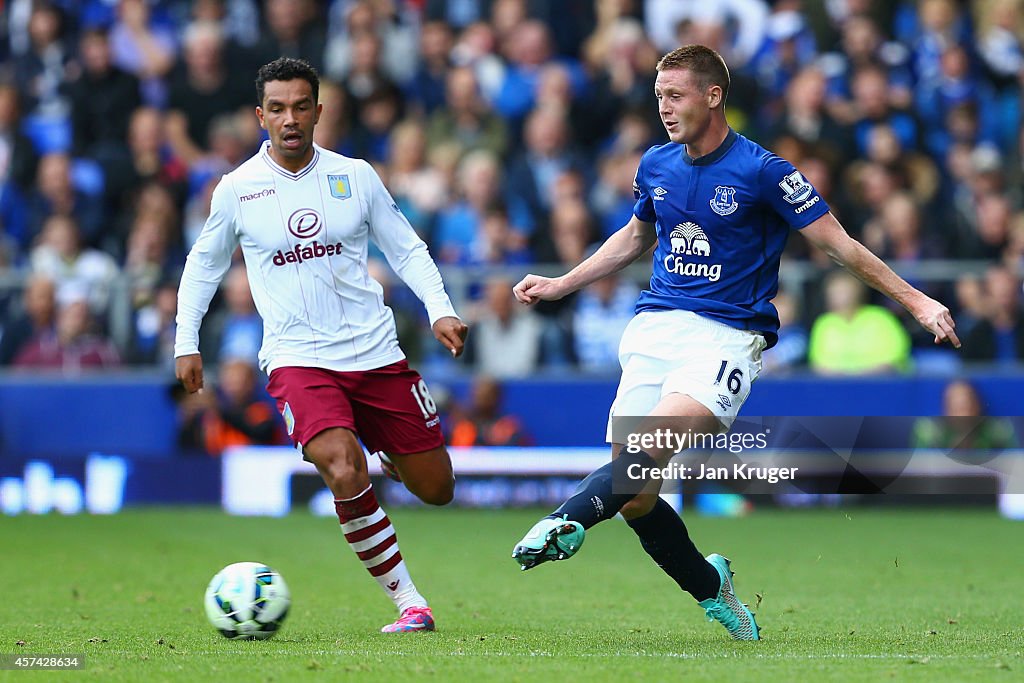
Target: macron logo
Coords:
[[659, 193], [257, 195]]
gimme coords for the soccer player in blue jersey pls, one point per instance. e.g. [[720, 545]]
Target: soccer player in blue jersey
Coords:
[[718, 209]]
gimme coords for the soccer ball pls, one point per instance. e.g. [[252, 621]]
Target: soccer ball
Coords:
[[247, 601]]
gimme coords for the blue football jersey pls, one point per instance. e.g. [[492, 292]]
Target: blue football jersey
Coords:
[[722, 221]]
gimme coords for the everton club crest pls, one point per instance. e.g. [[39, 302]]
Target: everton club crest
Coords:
[[724, 201]]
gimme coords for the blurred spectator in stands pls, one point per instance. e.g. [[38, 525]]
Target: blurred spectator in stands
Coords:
[[602, 311], [156, 201], [202, 88], [955, 86], [458, 237], [913, 170], [612, 195], [232, 414], [972, 306], [940, 23], [153, 329], [895, 234], [227, 148], [103, 98], [333, 131], [144, 47], [964, 424], [237, 332], [999, 336], [872, 106], [369, 89], [72, 346], [621, 60], [18, 163], [1013, 255], [294, 28], [426, 90], [788, 48], [389, 22], [466, 119], [40, 74], [240, 21], [988, 230], [499, 243], [476, 48], [150, 159], [506, 17], [36, 319], [60, 255], [197, 210], [148, 255], [506, 336], [971, 173], [532, 177], [571, 231], [419, 189], [790, 352], [485, 423], [56, 195], [749, 17], [868, 186], [853, 337], [806, 118], [863, 45], [999, 43], [527, 50], [376, 116], [458, 13]]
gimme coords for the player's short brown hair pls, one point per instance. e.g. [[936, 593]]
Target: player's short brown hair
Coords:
[[705, 63]]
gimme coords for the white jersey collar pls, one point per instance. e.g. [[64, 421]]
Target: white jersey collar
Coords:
[[277, 168]]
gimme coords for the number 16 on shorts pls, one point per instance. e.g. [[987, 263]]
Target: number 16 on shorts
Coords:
[[734, 381]]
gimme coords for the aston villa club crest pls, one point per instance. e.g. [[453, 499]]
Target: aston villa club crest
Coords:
[[724, 201], [340, 187]]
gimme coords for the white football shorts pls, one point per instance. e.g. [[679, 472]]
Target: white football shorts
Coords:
[[674, 351]]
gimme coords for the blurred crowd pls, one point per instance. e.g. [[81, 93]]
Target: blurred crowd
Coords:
[[509, 132]]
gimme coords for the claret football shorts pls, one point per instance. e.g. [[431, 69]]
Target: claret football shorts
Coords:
[[390, 408], [673, 351]]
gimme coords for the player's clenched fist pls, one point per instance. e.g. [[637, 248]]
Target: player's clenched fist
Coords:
[[452, 333], [534, 288], [189, 371]]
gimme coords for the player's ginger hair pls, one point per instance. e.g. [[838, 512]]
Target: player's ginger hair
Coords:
[[703, 62]]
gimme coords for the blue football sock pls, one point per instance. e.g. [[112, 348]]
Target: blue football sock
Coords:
[[663, 535], [603, 493]]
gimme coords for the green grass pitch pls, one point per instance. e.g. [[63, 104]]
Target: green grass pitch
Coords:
[[846, 595]]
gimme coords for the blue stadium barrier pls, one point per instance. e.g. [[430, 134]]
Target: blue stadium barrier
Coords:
[[134, 415]]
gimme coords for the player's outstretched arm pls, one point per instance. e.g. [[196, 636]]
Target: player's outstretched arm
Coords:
[[618, 251], [189, 371], [827, 234]]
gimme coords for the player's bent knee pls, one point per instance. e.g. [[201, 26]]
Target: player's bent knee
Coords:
[[440, 493], [340, 461], [639, 506]]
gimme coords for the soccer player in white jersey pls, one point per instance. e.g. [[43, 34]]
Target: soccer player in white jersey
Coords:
[[717, 208], [303, 216]]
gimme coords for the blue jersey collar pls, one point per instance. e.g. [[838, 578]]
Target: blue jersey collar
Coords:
[[712, 157]]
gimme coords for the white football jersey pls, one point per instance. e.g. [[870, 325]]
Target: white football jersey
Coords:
[[304, 238]]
